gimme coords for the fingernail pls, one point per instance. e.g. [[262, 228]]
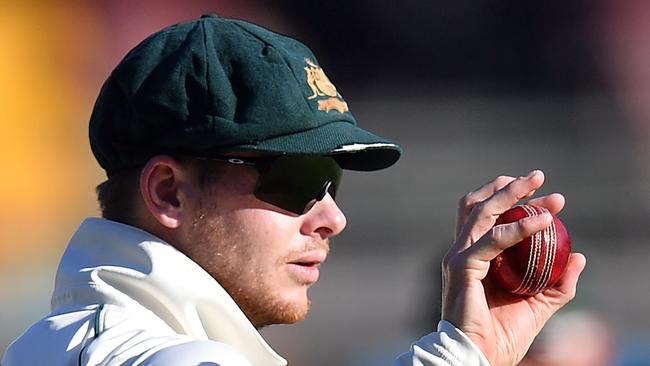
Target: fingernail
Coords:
[[533, 173]]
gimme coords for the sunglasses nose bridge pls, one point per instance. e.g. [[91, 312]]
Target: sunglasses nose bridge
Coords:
[[321, 195], [324, 190], [323, 217]]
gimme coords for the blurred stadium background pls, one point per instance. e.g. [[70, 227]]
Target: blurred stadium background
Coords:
[[471, 90]]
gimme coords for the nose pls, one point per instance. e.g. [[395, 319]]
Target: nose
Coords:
[[325, 219]]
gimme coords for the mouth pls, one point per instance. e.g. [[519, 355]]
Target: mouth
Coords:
[[305, 269]]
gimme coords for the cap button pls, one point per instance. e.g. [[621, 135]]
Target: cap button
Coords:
[[209, 15]]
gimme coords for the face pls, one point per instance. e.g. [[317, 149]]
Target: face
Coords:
[[265, 257]]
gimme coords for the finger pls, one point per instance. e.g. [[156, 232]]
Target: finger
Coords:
[[514, 192], [467, 203], [568, 283], [553, 202], [502, 237], [484, 215]]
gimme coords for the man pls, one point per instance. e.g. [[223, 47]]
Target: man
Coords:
[[223, 144]]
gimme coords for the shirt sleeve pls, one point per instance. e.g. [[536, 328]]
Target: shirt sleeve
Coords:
[[449, 346]]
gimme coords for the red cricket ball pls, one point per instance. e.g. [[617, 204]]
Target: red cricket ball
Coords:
[[536, 263]]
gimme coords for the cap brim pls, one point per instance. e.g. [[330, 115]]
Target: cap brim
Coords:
[[352, 147]]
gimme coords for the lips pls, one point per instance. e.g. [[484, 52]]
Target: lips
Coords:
[[311, 258], [304, 269]]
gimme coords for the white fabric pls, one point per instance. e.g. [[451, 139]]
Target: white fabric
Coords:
[[157, 302], [124, 297], [449, 346], [361, 147]]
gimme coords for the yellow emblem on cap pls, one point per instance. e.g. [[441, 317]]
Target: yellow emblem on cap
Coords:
[[332, 103], [321, 86]]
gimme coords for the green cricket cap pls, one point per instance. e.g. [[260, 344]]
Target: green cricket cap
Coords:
[[216, 85]]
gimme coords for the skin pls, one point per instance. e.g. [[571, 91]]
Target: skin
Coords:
[[256, 251], [252, 248]]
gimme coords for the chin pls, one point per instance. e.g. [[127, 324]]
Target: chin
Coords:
[[282, 311], [296, 307]]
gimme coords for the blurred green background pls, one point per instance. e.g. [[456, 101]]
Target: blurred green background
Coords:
[[471, 90]]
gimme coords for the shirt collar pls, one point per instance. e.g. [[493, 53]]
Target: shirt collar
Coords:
[[111, 263]]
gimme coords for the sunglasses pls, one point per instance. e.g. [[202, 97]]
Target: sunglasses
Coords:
[[293, 183]]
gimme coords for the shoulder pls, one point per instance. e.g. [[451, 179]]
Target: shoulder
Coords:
[[114, 336], [204, 353], [134, 337], [53, 337]]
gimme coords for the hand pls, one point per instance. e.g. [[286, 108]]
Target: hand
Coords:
[[502, 325]]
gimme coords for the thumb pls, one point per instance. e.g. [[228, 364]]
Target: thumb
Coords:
[[568, 283]]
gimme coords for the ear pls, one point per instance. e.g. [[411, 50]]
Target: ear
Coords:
[[166, 187]]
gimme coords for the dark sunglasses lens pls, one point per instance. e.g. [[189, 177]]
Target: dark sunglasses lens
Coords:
[[294, 183]]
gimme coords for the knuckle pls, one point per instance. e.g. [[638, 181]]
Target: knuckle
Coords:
[[481, 209], [503, 179], [449, 258], [570, 295], [529, 226], [450, 261], [445, 261], [495, 236], [467, 201], [501, 237], [445, 268], [565, 297], [522, 226]]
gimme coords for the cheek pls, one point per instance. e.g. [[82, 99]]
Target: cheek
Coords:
[[269, 234], [268, 239], [253, 241]]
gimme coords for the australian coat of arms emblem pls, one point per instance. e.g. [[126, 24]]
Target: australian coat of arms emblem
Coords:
[[321, 86]]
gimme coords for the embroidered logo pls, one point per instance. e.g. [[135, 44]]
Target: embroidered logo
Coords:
[[321, 86], [332, 103]]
